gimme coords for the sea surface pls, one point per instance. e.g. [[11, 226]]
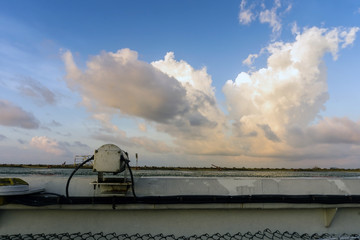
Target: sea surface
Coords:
[[16, 171]]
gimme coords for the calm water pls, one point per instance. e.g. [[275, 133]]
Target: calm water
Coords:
[[10, 171]]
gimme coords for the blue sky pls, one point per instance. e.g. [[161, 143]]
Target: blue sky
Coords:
[[182, 83]]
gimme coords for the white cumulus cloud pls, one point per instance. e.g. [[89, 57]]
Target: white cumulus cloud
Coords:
[[269, 110], [246, 15], [250, 59], [349, 36], [271, 16], [290, 92], [47, 145], [258, 9]]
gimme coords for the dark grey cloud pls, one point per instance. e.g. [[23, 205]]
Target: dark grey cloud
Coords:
[[269, 134], [36, 90], [14, 116], [46, 128], [55, 124], [2, 137], [64, 134], [80, 144], [121, 81], [49, 126], [328, 131]]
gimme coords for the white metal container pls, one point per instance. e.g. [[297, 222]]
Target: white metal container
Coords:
[[109, 158]]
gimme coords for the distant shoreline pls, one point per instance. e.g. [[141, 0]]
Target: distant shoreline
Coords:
[[315, 169]]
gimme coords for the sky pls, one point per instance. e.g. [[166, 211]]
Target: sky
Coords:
[[270, 84]]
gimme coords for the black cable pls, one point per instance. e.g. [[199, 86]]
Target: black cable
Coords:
[[40, 200], [132, 179], [72, 174]]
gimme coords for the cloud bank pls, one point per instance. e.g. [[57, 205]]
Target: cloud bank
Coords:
[[270, 111]]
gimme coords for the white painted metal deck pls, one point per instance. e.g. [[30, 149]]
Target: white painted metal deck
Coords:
[[190, 218], [167, 186]]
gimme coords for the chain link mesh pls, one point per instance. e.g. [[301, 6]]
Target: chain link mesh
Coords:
[[264, 235]]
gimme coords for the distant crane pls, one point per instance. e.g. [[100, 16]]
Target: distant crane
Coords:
[[217, 167]]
